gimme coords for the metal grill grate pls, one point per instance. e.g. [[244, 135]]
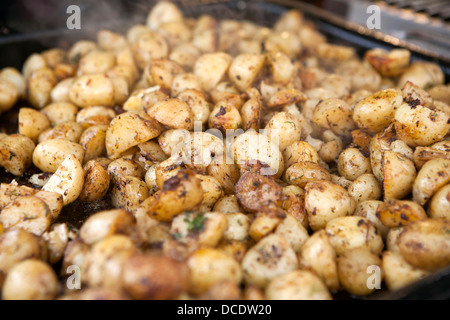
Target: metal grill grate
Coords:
[[439, 9]]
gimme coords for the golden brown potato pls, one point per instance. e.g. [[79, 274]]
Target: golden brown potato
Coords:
[[92, 90], [30, 280], [16, 153], [265, 222], [348, 233], [205, 229], [16, 246], [68, 180], [48, 155], [389, 64], [40, 86], [174, 113], [301, 173], [399, 174], [425, 244], [439, 206], [225, 116], [210, 68], [129, 193], [297, 285], [433, 175], [325, 201], [147, 277], [183, 192], [255, 192], [208, 267], [398, 213], [32, 123], [376, 112], [104, 263], [10, 192], [268, 259], [398, 273], [420, 126], [70, 130], [356, 268], [128, 130], [96, 182], [29, 213], [319, 256]]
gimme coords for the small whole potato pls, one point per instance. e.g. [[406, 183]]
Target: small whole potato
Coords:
[[352, 164], [297, 285], [360, 271], [60, 112], [300, 151], [319, 256], [348, 233], [32, 123], [398, 273], [225, 116], [376, 112], [425, 244], [16, 153], [92, 90], [208, 267], [48, 155], [325, 201], [368, 210], [301, 173], [286, 126], [334, 114], [365, 187], [255, 191], [420, 126], [17, 245], [8, 95], [147, 277], [30, 280], [96, 182], [398, 213], [269, 258]]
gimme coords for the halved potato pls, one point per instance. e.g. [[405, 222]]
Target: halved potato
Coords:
[[128, 130], [68, 180]]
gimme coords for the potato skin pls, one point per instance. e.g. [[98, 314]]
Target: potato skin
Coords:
[[325, 201], [16, 246], [348, 233], [426, 244], [30, 280], [433, 175], [16, 153], [210, 266], [269, 258], [398, 273], [147, 277], [297, 285], [353, 270], [255, 191], [319, 256]]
